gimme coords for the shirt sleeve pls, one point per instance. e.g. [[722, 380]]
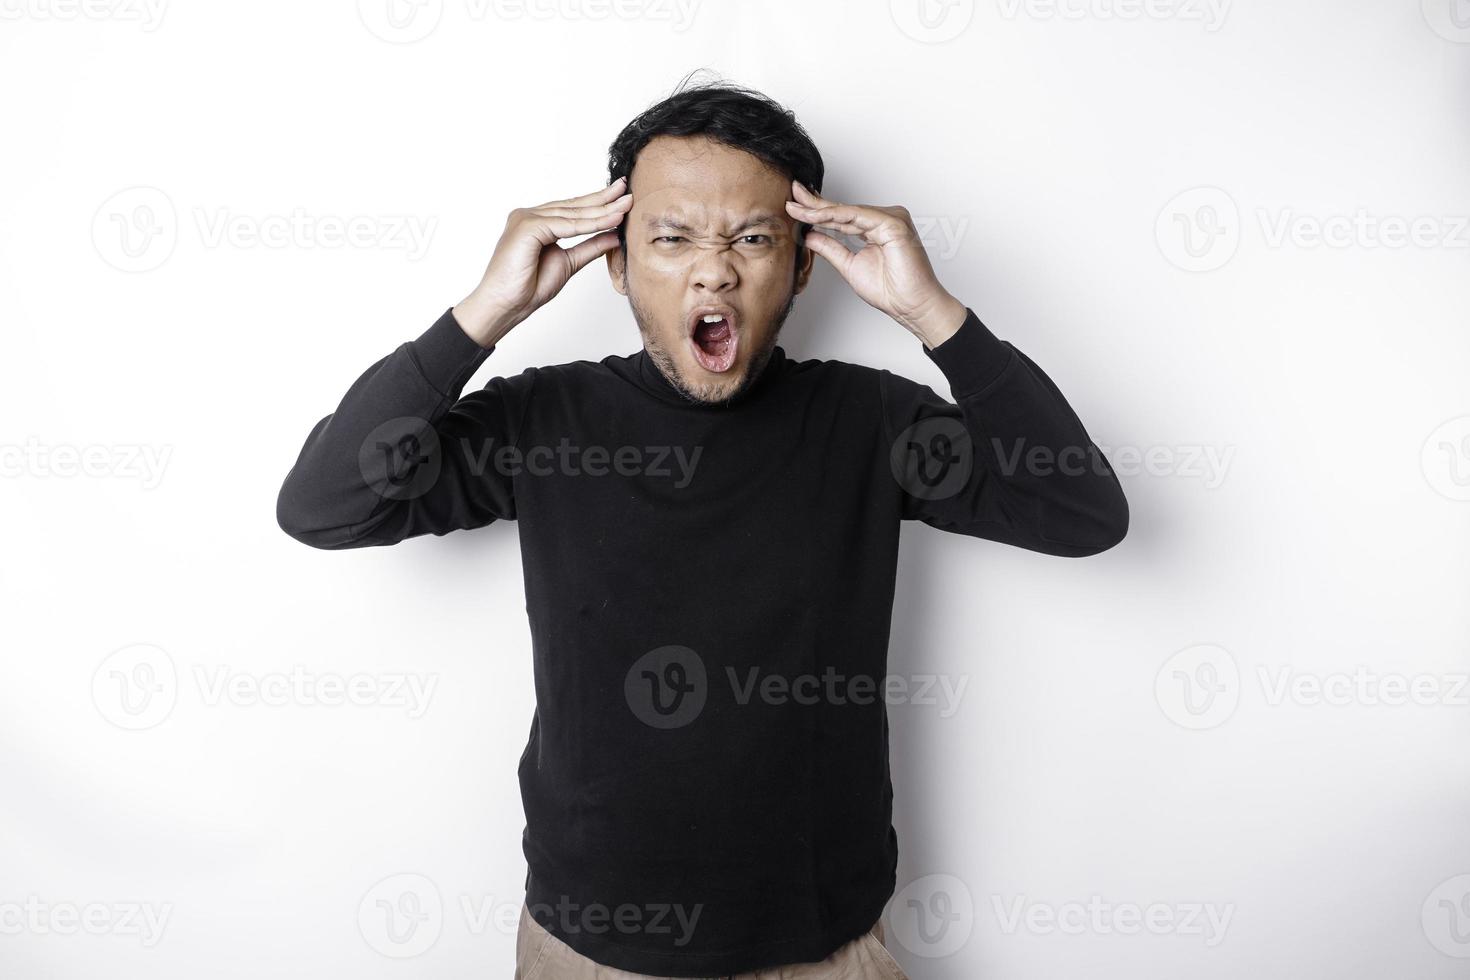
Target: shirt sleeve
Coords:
[[404, 454], [1008, 460]]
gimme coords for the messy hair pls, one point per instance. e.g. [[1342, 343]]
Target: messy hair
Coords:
[[730, 114]]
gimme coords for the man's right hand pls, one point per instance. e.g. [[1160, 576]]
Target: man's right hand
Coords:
[[529, 268]]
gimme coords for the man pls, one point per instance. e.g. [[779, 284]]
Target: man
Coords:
[[709, 534]]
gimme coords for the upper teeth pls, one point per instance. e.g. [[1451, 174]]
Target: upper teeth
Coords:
[[712, 318]]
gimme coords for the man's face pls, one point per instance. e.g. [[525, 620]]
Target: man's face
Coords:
[[708, 229]]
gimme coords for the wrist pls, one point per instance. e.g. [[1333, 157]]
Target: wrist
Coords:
[[939, 321], [482, 319]]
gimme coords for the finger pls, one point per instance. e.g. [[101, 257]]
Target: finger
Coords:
[[548, 229], [583, 252], [847, 228], [595, 197], [829, 248], [807, 197], [860, 218], [587, 210]]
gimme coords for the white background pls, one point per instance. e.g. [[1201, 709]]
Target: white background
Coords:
[[1123, 738]]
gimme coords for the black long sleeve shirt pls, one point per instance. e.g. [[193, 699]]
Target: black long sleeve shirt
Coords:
[[709, 591]]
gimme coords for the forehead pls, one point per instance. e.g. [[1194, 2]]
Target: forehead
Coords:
[[695, 179]]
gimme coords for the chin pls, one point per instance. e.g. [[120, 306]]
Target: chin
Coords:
[[710, 387]]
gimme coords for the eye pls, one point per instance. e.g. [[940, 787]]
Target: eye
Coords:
[[763, 238], [668, 238]]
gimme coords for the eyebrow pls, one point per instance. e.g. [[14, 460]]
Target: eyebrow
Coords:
[[753, 221]]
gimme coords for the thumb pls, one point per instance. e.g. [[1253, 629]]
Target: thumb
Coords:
[[837, 254], [585, 251]]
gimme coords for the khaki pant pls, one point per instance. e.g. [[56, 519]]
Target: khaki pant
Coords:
[[541, 956]]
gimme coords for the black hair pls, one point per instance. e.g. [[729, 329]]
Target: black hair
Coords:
[[727, 113]]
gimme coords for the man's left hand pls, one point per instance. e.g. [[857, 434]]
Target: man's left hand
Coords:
[[891, 272]]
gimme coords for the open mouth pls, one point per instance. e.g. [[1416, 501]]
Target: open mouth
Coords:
[[714, 338]]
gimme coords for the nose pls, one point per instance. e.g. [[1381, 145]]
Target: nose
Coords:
[[713, 270]]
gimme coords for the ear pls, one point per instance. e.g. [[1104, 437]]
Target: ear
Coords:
[[617, 268], [804, 269]]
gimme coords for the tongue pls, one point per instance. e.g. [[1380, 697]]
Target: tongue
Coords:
[[712, 336]]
